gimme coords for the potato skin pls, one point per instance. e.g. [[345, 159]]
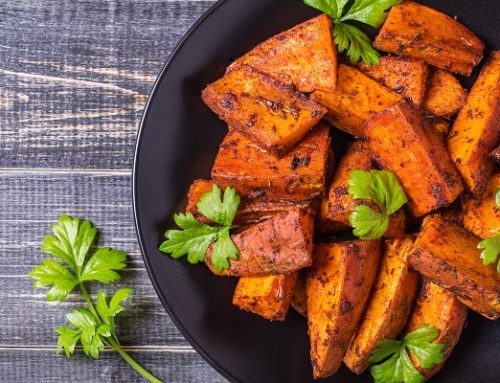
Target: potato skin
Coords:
[[389, 307], [414, 30], [357, 98], [300, 175], [481, 215], [250, 211], [476, 131], [281, 245], [314, 63], [447, 255], [440, 309], [337, 287], [445, 96], [402, 141], [404, 75], [268, 296], [272, 113], [299, 298], [337, 205]]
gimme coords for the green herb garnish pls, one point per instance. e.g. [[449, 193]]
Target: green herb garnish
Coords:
[[383, 188], [77, 263], [397, 366], [195, 237], [348, 37], [491, 245]]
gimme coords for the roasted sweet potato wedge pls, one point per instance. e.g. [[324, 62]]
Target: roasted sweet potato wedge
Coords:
[[337, 205], [414, 30], [389, 306], [272, 113], [402, 141], [406, 76], [444, 96], [304, 56], [251, 210], [268, 296], [481, 215], [440, 126], [337, 287], [440, 309], [447, 254], [300, 175], [476, 131], [357, 98], [299, 298], [281, 245], [495, 155]]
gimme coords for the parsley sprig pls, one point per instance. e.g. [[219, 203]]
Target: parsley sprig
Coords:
[[195, 237], [397, 366], [348, 37], [381, 187], [75, 264], [491, 245]]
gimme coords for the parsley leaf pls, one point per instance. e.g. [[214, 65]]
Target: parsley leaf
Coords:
[[195, 237], [398, 368], [52, 273], [383, 188], [349, 38], [102, 264], [491, 250], [497, 197]]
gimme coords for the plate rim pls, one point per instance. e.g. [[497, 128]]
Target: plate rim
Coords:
[[178, 324]]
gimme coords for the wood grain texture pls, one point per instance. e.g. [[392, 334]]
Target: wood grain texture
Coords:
[[74, 78]]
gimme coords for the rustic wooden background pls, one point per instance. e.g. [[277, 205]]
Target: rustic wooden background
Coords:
[[74, 78]]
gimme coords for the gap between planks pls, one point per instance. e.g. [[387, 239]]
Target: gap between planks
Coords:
[[145, 348], [48, 171]]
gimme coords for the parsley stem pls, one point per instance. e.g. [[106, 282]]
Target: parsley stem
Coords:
[[131, 361], [89, 302]]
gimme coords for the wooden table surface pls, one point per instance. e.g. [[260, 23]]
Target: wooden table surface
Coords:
[[74, 78]]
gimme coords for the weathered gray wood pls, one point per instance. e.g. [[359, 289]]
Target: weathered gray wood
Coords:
[[75, 75]]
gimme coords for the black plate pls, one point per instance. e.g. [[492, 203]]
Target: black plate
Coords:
[[177, 143]]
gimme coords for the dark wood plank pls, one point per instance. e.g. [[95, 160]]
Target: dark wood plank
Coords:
[[75, 76], [41, 365]]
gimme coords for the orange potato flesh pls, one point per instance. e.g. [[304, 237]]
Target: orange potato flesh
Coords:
[[281, 245], [445, 96], [406, 76], [357, 98], [403, 142], [272, 113], [250, 211], [414, 30], [440, 309], [482, 215], [389, 307], [447, 255], [299, 299], [476, 131], [337, 288], [300, 175], [337, 205], [440, 126], [268, 296], [304, 56]]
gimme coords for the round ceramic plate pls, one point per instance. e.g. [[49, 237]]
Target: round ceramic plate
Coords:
[[177, 143]]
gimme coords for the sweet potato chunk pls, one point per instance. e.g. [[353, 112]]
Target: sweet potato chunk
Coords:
[[251, 210], [299, 299], [481, 215], [445, 96], [389, 306], [476, 131], [440, 126], [403, 142], [495, 155], [280, 245], [406, 76], [268, 296], [356, 99], [272, 113], [304, 56], [337, 205], [300, 175], [440, 309], [337, 288], [414, 30], [447, 254]]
